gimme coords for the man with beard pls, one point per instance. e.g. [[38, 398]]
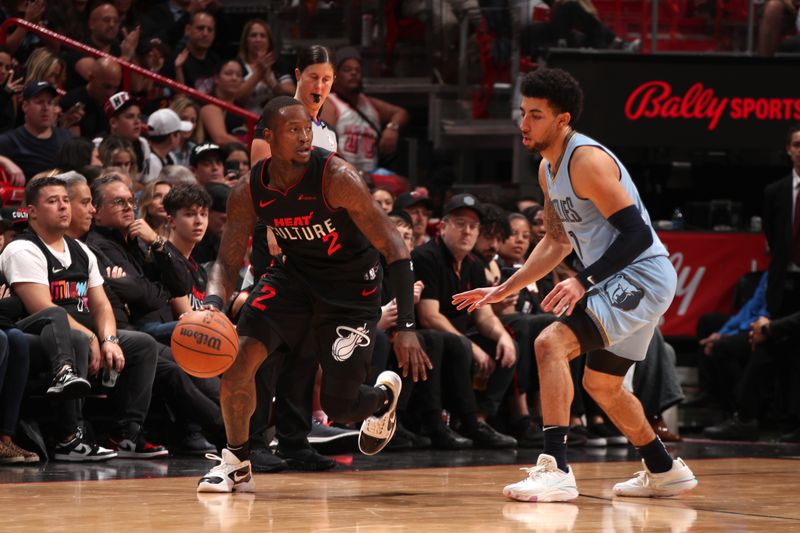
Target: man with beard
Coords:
[[365, 126], [609, 310]]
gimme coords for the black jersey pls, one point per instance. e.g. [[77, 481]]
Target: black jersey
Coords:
[[319, 242], [197, 274], [68, 286]]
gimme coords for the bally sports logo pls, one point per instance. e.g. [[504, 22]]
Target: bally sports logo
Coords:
[[656, 99], [201, 339]]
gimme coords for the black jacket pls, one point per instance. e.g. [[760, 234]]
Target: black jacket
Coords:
[[777, 217], [151, 280]]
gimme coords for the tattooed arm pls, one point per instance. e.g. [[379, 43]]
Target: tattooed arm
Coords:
[[344, 188], [238, 229]]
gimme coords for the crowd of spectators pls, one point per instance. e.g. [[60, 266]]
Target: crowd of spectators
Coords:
[[125, 202]]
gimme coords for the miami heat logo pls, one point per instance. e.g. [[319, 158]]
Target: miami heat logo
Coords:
[[624, 293], [349, 339]]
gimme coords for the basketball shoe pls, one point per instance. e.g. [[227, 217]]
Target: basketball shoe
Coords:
[[377, 431], [646, 484], [545, 483], [229, 475]]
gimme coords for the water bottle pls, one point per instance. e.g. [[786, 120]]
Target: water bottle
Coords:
[[677, 219]]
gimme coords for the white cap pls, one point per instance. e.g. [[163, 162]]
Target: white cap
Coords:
[[166, 121]]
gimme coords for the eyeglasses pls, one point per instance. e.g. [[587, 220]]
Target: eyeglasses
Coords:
[[462, 224], [122, 203]]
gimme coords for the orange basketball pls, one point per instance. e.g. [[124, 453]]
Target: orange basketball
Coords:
[[204, 343]]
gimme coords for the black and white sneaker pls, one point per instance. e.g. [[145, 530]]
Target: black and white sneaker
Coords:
[[377, 431], [78, 450], [70, 384], [229, 475], [136, 446]]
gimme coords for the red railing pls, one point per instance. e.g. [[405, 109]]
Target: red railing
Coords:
[[250, 118]]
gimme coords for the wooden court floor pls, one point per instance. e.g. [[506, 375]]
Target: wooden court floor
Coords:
[[734, 495]]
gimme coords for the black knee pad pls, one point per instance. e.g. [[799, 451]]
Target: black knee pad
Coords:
[[608, 363]]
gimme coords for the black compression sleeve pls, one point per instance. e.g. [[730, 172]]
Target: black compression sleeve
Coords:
[[401, 281], [634, 238]]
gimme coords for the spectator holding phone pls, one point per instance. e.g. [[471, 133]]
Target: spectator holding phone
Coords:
[[237, 161]]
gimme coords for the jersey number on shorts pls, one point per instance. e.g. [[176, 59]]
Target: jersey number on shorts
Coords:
[[333, 247], [576, 244], [268, 292]]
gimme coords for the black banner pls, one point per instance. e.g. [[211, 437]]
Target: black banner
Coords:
[[715, 102]]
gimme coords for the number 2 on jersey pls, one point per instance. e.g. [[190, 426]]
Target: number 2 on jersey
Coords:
[[334, 246]]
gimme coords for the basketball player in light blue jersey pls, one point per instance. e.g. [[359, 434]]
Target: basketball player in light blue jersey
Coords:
[[609, 311]]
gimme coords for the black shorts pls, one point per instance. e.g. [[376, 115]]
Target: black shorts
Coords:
[[338, 323]]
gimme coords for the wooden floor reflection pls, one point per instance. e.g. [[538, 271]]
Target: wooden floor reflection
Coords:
[[733, 495]]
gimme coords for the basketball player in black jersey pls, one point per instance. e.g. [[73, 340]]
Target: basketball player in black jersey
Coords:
[[327, 291]]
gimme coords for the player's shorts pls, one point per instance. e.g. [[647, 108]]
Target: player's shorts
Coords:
[[338, 323], [626, 307]]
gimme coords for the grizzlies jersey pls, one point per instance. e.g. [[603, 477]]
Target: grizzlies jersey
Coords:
[[588, 230], [320, 243]]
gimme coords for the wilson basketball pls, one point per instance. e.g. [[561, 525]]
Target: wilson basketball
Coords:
[[204, 343]]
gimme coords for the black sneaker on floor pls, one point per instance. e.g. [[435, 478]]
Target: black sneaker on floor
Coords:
[[331, 439], [733, 429], [530, 435], [263, 461], [136, 446], [69, 384], [609, 432], [592, 440], [306, 460], [444, 438], [485, 436], [79, 450], [406, 440], [193, 443]]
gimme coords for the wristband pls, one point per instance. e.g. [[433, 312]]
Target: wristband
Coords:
[[214, 301], [401, 285]]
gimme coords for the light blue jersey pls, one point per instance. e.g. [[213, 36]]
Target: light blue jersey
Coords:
[[625, 307], [591, 234]]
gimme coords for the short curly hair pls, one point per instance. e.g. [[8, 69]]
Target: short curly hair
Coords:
[[558, 87]]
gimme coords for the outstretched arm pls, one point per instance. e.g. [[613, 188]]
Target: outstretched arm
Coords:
[[238, 229], [344, 188], [546, 256]]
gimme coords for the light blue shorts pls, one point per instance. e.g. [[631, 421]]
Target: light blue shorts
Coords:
[[627, 306]]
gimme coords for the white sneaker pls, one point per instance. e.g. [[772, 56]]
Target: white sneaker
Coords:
[[229, 475], [376, 432], [646, 484], [545, 483]]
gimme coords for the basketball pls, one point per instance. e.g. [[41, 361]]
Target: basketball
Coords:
[[204, 343]]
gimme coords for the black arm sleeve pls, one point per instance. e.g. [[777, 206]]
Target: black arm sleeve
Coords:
[[634, 238], [401, 281]]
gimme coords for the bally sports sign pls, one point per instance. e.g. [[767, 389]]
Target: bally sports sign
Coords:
[[707, 101]]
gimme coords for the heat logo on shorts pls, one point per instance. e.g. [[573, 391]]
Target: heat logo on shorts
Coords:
[[349, 339], [201, 338]]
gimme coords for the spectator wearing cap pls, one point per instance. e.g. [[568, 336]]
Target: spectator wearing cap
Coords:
[[125, 121], [446, 266], [104, 80], [206, 250], [366, 127], [13, 220], [33, 146], [416, 204], [206, 161], [164, 128]]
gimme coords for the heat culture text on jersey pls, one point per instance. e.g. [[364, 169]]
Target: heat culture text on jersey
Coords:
[[306, 227], [302, 228]]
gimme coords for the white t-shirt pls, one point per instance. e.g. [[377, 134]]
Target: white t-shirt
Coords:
[[23, 262]]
